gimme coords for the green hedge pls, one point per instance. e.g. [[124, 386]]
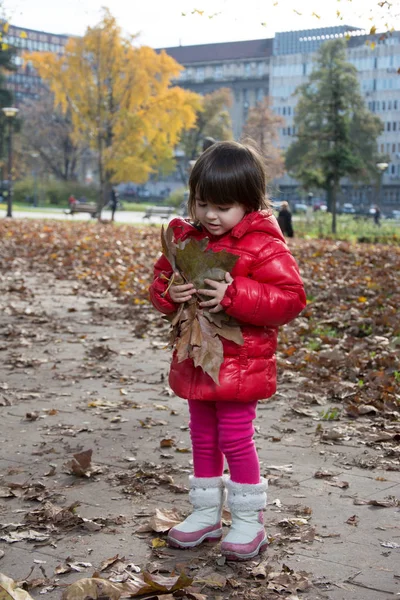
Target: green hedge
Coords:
[[176, 198], [52, 193]]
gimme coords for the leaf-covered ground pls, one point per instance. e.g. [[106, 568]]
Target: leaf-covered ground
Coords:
[[346, 344]]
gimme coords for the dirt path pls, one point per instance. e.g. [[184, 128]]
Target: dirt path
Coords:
[[76, 374]]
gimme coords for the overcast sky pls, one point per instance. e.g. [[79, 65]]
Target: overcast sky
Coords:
[[163, 23]]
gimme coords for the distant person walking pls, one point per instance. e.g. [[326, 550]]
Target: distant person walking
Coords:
[[285, 220], [377, 215], [114, 202]]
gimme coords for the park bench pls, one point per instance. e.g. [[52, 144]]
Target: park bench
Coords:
[[164, 212], [83, 207]]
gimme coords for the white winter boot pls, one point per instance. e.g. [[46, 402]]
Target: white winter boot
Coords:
[[246, 537], [207, 496]]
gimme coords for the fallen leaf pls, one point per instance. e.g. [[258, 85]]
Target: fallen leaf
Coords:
[[9, 590], [340, 484], [393, 545], [81, 465], [353, 520], [389, 503], [164, 519], [323, 474], [158, 543]]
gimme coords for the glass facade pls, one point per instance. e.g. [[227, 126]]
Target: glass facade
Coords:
[[24, 83], [309, 40]]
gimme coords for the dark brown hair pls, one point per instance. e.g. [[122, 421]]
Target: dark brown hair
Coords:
[[226, 173]]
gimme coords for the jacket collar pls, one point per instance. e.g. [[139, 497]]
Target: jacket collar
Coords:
[[254, 221], [243, 226]]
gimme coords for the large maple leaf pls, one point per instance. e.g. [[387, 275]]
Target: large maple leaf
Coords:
[[196, 332]]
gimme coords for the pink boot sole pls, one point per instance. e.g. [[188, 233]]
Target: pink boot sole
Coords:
[[242, 551], [180, 539]]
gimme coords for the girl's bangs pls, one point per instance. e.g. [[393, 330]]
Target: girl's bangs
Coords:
[[220, 188]]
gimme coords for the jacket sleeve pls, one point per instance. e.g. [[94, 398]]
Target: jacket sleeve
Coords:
[[273, 293], [162, 272]]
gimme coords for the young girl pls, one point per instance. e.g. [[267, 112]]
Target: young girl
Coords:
[[228, 206]]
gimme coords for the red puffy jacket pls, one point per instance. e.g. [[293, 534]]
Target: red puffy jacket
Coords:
[[267, 291]]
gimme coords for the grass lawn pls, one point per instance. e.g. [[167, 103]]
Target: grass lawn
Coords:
[[128, 206], [354, 229]]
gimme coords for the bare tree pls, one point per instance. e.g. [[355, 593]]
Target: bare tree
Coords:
[[48, 132], [262, 126]]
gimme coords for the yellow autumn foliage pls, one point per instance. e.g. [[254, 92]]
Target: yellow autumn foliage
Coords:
[[120, 99]]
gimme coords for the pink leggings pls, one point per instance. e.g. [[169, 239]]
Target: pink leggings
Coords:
[[221, 429]]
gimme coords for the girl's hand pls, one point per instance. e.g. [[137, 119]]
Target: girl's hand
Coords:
[[182, 292], [217, 293]]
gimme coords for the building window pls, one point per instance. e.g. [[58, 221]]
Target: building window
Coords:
[[260, 95], [200, 74], [218, 72], [247, 69]]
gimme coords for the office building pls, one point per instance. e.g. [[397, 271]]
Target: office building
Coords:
[[272, 67], [24, 83], [276, 67]]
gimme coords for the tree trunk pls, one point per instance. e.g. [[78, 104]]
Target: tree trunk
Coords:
[[333, 200], [107, 191], [101, 179], [182, 173], [329, 198]]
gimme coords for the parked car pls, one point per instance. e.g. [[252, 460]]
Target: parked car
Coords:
[[320, 206], [298, 207], [143, 192], [394, 214], [348, 209]]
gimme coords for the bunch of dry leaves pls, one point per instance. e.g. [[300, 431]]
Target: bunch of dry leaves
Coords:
[[196, 331]]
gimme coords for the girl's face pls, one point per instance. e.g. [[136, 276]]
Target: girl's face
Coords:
[[218, 219]]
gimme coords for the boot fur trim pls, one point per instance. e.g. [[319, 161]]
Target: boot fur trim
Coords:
[[206, 492], [246, 496]]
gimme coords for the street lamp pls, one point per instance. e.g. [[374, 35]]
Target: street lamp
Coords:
[[34, 156], [381, 166], [10, 113]]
